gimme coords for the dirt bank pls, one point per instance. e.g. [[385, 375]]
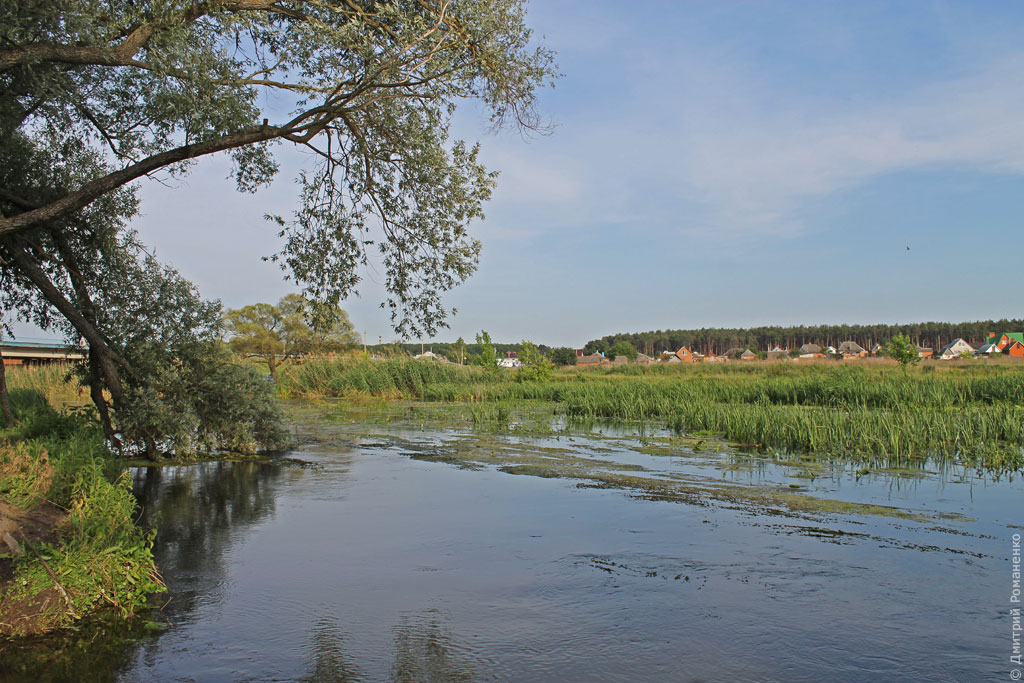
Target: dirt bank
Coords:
[[38, 525]]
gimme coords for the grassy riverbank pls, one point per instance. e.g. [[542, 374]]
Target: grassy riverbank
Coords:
[[970, 412], [67, 514]]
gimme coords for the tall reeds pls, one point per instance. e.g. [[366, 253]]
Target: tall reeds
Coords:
[[873, 413]]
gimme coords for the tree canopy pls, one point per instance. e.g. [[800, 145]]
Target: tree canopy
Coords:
[[294, 327], [96, 96], [367, 87]]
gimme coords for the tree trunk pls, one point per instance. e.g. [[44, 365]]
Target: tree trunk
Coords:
[[96, 393], [107, 360], [5, 403]]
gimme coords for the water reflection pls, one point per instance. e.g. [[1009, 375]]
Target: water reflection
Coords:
[[424, 651], [98, 653], [330, 661], [199, 510], [375, 565]]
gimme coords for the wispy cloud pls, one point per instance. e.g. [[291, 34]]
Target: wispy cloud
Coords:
[[705, 147], [753, 168]]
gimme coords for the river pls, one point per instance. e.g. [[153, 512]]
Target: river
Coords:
[[370, 553]]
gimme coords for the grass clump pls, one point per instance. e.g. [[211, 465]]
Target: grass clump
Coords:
[[67, 503]]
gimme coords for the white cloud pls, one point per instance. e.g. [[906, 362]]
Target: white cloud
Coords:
[[752, 167], [697, 145]]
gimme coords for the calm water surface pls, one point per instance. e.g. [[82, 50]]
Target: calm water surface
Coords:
[[371, 565]]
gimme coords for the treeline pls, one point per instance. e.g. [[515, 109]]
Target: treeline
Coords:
[[718, 340]]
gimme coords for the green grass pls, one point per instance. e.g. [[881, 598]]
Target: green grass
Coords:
[[52, 381], [101, 558]]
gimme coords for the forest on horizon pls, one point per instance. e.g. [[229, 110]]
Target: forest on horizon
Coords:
[[717, 340]]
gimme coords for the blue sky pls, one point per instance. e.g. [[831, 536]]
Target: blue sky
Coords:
[[712, 164]]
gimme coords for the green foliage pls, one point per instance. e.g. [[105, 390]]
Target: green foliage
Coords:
[[562, 356], [392, 378], [183, 394], [535, 366], [720, 340], [56, 382], [622, 348], [205, 403], [151, 86], [459, 351], [102, 559], [834, 410], [295, 327], [903, 351], [487, 358]]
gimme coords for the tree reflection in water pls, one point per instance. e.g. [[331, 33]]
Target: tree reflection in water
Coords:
[[199, 511], [330, 663], [424, 651]]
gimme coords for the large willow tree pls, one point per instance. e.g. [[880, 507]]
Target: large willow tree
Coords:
[[96, 95]]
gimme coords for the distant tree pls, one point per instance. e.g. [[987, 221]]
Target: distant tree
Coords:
[[903, 351], [622, 348], [294, 327], [487, 357], [535, 365], [562, 356], [459, 349]]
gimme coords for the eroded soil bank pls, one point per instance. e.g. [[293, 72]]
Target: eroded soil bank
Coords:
[[20, 531]]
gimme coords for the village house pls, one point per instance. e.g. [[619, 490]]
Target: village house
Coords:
[[643, 359], [1006, 339], [987, 350], [955, 349], [811, 351], [776, 353], [924, 352], [1014, 349], [748, 355], [685, 355], [850, 349], [592, 359]]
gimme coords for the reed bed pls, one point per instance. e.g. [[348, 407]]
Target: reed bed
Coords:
[[875, 413], [55, 381]]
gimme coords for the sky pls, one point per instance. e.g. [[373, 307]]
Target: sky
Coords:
[[711, 164]]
